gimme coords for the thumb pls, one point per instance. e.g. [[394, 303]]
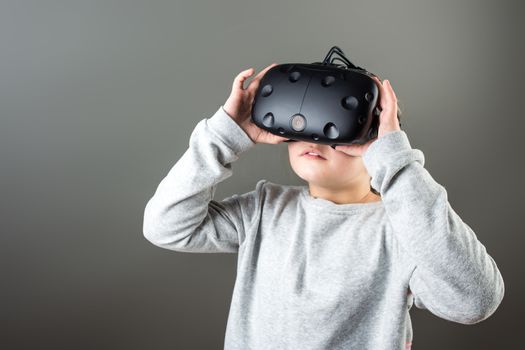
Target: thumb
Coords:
[[352, 150]]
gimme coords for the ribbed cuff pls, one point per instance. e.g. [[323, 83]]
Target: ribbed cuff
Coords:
[[387, 155], [229, 131]]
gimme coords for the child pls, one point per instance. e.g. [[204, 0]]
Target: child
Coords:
[[332, 265]]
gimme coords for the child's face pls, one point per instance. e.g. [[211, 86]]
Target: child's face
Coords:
[[337, 169]]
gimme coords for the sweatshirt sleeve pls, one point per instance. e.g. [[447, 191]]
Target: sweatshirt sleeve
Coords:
[[182, 214], [453, 276]]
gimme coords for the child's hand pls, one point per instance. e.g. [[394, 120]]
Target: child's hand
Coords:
[[239, 106], [387, 119]]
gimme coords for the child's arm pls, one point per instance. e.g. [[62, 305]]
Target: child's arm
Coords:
[[454, 277], [182, 214]]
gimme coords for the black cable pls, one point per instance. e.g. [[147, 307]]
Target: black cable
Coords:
[[337, 50], [337, 58]]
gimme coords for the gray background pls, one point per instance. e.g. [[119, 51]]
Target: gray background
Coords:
[[98, 100]]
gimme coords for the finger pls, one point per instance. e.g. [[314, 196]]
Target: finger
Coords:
[[355, 149], [279, 139], [389, 87], [388, 114], [238, 82], [378, 81], [263, 72], [390, 99], [376, 78], [272, 138], [351, 150], [254, 84]]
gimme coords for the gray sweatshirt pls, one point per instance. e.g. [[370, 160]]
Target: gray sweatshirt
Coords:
[[313, 274]]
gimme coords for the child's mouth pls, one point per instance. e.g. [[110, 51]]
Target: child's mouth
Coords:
[[313, 156]]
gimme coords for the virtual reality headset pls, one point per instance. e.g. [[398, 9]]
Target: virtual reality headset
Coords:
[[319, 102]]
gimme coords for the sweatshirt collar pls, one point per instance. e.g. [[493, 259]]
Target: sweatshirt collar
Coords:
[[325, 204]]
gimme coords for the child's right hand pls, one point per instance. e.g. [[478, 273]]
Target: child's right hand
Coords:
[[239, 107]]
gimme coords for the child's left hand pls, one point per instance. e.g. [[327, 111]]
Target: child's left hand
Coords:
[[387, 119]]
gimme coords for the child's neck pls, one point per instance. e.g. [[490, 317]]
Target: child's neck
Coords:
[[344, 196]]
